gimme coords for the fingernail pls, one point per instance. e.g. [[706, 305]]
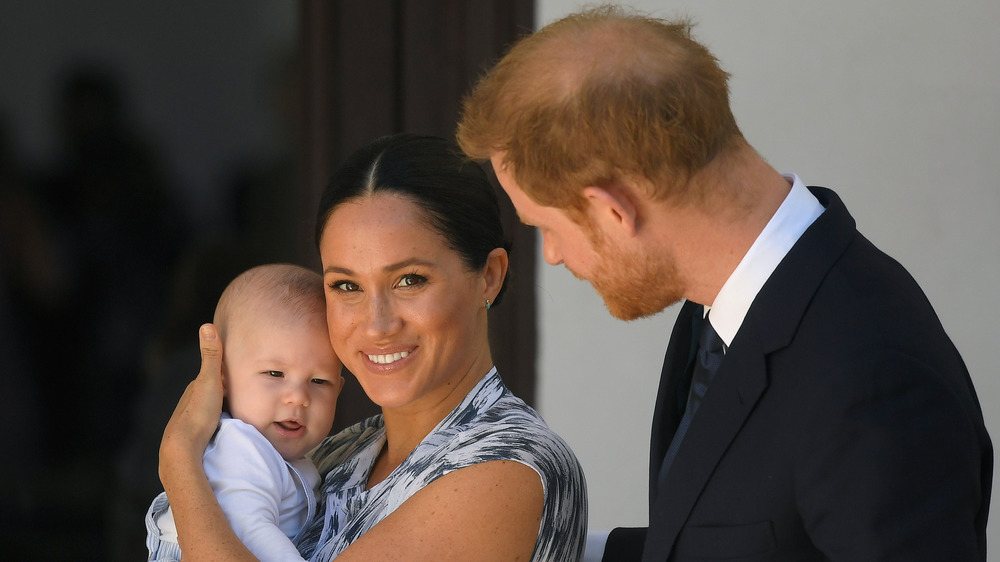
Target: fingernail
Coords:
[[207, 332]]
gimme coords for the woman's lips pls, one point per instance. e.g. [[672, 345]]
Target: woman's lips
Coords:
[[387, 358]]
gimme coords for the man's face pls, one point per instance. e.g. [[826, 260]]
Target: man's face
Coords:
[[633, 281], [564, 241]]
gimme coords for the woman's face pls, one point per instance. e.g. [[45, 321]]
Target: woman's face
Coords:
[[406, 316]]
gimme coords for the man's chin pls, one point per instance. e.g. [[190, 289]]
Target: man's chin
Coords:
[[628, 309]]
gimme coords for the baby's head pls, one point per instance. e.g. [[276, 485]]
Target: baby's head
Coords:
[[280, 372]]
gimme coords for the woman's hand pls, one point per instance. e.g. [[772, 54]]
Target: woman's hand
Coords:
[[202, 528], [197, 413]]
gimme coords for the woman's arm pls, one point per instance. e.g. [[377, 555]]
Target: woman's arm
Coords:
[[202, 529], [487, 511]]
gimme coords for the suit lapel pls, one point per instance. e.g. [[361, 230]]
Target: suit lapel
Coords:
[[735, 390], [666, 414], [742, 378]]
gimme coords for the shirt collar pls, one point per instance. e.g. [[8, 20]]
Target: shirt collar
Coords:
[[799, 209]]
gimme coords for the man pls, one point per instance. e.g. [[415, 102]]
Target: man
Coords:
[[811, 406]]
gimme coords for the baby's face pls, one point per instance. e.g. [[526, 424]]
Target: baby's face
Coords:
[[283, 378]]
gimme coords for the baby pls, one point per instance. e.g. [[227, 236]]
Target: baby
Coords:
[[282, 380]]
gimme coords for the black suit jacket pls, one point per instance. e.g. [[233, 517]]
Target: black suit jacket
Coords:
[[841, 425]]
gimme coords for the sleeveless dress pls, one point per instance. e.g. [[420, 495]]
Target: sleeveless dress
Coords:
[[489, 424]]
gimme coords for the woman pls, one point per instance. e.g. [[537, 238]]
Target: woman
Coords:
[[455, 467]]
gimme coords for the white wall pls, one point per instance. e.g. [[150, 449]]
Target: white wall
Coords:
[[896, 106]]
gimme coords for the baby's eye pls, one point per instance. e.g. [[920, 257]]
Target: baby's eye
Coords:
[[276, 374], [320, 381], [412, 279]]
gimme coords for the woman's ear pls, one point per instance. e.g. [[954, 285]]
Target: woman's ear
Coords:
[[613, 207], [495, 272]]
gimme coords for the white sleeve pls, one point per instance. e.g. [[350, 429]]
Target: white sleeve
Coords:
[[252, 482]]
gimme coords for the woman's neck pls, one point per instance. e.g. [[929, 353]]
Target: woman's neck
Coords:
[[406, 427]]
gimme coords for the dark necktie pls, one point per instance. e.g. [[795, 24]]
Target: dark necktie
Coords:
[[708, 357]]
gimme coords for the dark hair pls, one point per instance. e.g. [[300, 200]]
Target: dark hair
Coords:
[[453, 191]]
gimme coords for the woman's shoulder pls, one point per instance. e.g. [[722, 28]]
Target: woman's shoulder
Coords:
[[508, 429], [517, 422], [491, 408]]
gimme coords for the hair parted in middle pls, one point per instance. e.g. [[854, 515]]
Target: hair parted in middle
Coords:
[[597, 96], [453, 192]]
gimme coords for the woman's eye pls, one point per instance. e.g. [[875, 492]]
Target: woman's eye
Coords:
[[276, 374], [411, 280], [345, 286]]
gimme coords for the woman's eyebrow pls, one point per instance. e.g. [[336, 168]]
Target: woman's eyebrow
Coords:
[[410, 262], [402, 264]]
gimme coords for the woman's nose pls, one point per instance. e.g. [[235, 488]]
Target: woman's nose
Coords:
[[382, 317]]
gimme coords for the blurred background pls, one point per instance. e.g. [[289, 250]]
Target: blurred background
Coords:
[[149, 152]]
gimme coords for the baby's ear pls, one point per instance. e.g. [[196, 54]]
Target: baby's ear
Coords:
[[225, 379], [225, 388]]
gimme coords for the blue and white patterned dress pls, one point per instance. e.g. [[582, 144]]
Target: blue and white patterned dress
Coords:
[[489, 424]]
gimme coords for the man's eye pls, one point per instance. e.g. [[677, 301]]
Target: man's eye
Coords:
[[276, 374], [411, 280]]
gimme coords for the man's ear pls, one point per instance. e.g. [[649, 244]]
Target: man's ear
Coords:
[[614, 207]]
